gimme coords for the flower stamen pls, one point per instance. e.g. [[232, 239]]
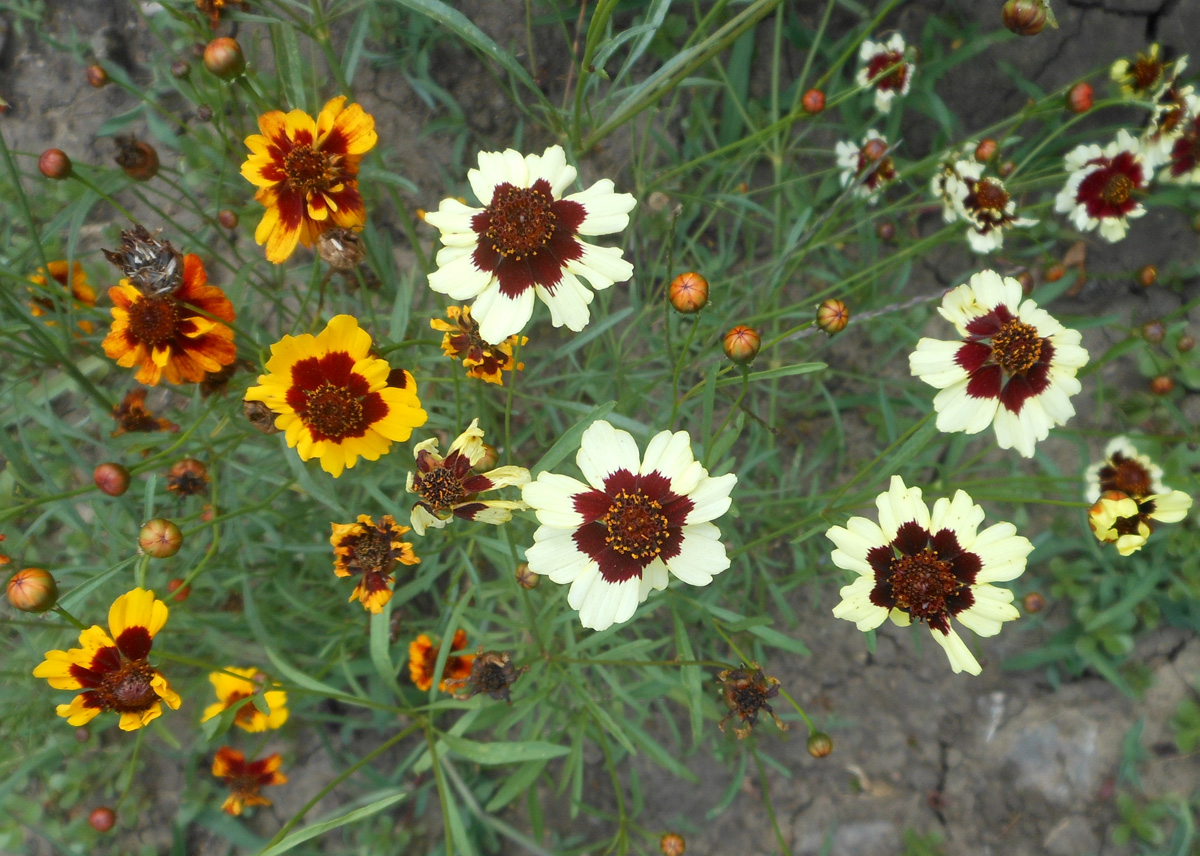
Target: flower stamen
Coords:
[[521, 221], [636, 525], [1016, 347], [922, 583]]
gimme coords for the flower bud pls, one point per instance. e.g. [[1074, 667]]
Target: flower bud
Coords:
[[1026, 280], [137, 158], [886, 231], [1024, 17], [260, 416], [489, 460], [177, 588], [111, 478], [32, 590], [160, 538], [526, 578], [1148, 275], [1034, 602], [82, 735], [1186, 343], [813, 101], [688, 292], [97, 77], [1079, 99], [742, 343], [341, 249], [1006, 168], [1162, 385], [874, 149], [672, 844], [832, 316], [1054, 273], [228, 219], [203, 112], [223, 57], [102, 819], [1154, 332], [985, 150], [54, 163], [820, 744], [180, 69]]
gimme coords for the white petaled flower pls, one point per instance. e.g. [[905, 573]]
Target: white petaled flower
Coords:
[[525, 241], [882, 66], [929, 566], [1103, 185], [1014, 368], [1172, 110], [616, 538], [990, 210], [1125, 470], [868, 167], [952, 184], [1181, 158]]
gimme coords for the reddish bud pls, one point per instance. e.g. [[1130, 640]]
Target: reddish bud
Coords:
[[223, 57], [820, 744], [985, 150], [180, 69], [813, 101], [102, 819], [741, 344], [1034, 602], [874, 149], [177, 588], [688, 292], [1054, 273], [1024, 17], [228, 219], [203, 112], [526, 578], [97, 77], [32, 590], [832, 316], [1162, 385], [55, 164], [672, 844], [160, 538], [1080, 98], [111, 478], [1186, 343], [1148, 275], [137, 158], [886, 231], [1154, 332]]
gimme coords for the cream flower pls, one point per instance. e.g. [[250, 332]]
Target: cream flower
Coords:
[[1103, 186], [875, 59]]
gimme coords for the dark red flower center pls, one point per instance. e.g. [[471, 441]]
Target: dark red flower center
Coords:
[[154, 321], [334, 401], [990, 196], [307, 169], [929, 576], [333, 410], [520, 220], [439, 488], [1185, 151], [1146, 72], [922, 583], [1126, 475], [1107, 191], [128, 689], [1117, 189], [372, 551], [1016, 347], [895, 78], [636, 525]]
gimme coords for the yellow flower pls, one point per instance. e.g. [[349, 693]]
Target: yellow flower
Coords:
[[233, 691], [42, 301], [307, 173], [462, 341], [334, 400], [114, 675], [372, 552], [423, 655], [1127, 521], [244, 779]]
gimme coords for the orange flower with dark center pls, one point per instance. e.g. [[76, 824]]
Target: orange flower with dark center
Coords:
[[215, 8], [44, 301], [423, 655], [133, 416], [177, 335], [371, 552], [246, 779], [307, 173], [482, 359]]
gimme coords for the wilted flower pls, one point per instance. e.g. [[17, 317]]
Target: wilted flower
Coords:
[[1103, 186], [153, 267], [481, 359], [423, 656], [341, 249], [990, 210], [132, 415], [371, 552], [1181, 163], [1127, 522], [882, 66], [237, 692], [215, 8], [136, 157], [1143, 76], [492, 672], [746, 691], [188, 477], [245, 779]]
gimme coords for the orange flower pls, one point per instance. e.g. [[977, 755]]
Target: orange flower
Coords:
[[244, 779], [307, 173], [215, 8], [165, 335], [132, 415], [482, 359], [423, 655], [42, 303], [372, 552]]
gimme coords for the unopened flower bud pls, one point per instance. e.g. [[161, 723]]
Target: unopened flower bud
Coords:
[[742, 343], [160, 538], [177, 588], [1079, 99], [874, 149], [97, 77], [137, 158], [1024, 17], [180, 69], [228, 219], [820, 744], [985, 150], [223, 57], [111, 478], [1162, 385], [203, 112], [1034, 602], [32, 590], [832, 316], [82, 735], [489, 460], [688, 292], [1006, 168], [54, 163], [1154, 332], [260, 416], [1054, 273], [1148, 275], [102, 819], [672, 844], [886, 231], [813, 101], [1186, 343], [526, 578]]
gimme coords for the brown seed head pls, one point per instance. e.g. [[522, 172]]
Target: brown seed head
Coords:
[[832, 316], [1186, 343], [1080, 98], [672, 844], [32, 590], [160, 538], [137, 158], [102, 819], [688, 292], [1024, 17], [1034, 602], [741, 344], [1148, 275], [188, 477], [154, 267], [260, 416], [813, 101], [204, 113], [820, 744], [54, 163], [223, 57], [180, 69], [97, 77], [341, 249], [111, 478], [886, 231]]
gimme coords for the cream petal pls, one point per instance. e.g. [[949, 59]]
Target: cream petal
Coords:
[[568, 303], [958, 411], [900, 505], [603, 450], [552, 497], [493, 170], [992, 607], [853, 542], [423, 519], [933, 362], [459, 279], [670, 454], [960, 514], [711, 498], [453, 220], [856, 605], [554, 554], [608, 603], [654, 578], [552, 166], [600, 266], [1002, 553], [1022, 431], [961, 658], [701, 555], [605, 211], [1171, 507], [501, 316]]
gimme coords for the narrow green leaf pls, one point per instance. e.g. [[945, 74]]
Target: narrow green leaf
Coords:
[[381, 655], [516, 784], [312, 831], [502, 752], [569, 441], [775, 639], [290, 65]]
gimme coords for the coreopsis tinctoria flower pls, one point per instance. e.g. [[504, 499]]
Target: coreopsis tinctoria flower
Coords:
[[1104, 185], [882, 67], [867, 167]]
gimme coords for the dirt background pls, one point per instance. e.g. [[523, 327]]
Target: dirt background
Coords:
[[999, 765]]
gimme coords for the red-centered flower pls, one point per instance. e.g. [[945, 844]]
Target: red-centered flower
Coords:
[[371, 552], [1124, 470], [176, 335], [1104, 185], [883, 68], [307, 173], [73, 279], [1015, 365], [246, 779], [423, 656], [929, 567], [615, 538], [481, 359], [525, 242], [868, 167], [1143, 76], [114, 675], [990, 210], [1183, 156]]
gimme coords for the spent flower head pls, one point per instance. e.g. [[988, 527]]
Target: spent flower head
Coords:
[[245, 778], [747, 691], [371, 552], [482, 360]]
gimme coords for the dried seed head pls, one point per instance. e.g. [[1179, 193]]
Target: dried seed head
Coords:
[[813, 101], [1024, 17], [54, 163], [672, 844], [97, 77], [102, 819], [526, 578], [152, 266], [204, 113], [188, 477], [1148, 275], [111, 478], [492, 672], [746, 691], [177, 588], [32, 590], [223, 57], [260, 416], [832, 316], [820, 744], [228, 219], [341, 249], [1080, 98], [985, 150], [137, 158], [160, 538], [1154, 332], [741, 344], [1033, 602], [688, 292], [1162, 385]]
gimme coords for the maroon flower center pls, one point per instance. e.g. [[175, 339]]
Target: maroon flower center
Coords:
[[636, 525], [929, 576], [521, 220], [372, 551], [128, 689], [1117, 189], [154, 321], [894, 79], [1185, 152], [334, 411], [922, 583], [1016, 347], [307, 169], [439, 488], [1146, 72], [1126, 475], [990, 196]]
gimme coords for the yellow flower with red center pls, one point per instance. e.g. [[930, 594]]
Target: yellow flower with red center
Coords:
[[245, 779], [422, 659], [232, 691], [114, 675], [178, 335], [42, 301], [371, 552], [463, 342], [307, 173], [335, 401]]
